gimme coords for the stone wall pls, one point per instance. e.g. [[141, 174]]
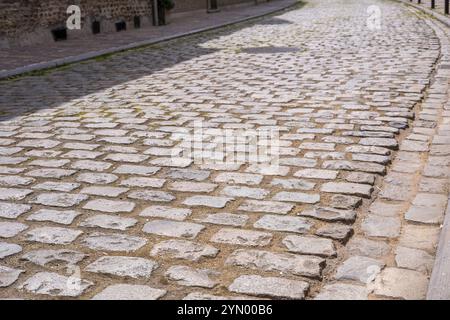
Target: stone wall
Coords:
[[24, 22]]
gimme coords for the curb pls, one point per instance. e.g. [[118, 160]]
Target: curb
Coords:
[[93, 54], [439, 288]]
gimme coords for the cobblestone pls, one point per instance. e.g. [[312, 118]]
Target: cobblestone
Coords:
[[360, 183]]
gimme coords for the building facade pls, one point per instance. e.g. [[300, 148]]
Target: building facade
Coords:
[[24, 22]]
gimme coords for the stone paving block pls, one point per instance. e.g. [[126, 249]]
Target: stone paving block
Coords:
[[151, 195], [266, 206], [55, 199], [278, 288], [183, 249], [414, 259], [308, 266], [166, 212], [329, 214], [8, 276], [113, 242], [361, 269], [129, 292], [13, 194], [365, 247], [355, 189], [176, 229], [242, 237], [133, 267], [400, 284], [310, 245], [187, 276], [9, 249], [283, 223], [297, 197], [11, 229], [419, 237], [111, 206], [108, 222], [378, 226], [53, 284], [53, 235], [224, 218], [207, 201], [342, 291], [42, 257]]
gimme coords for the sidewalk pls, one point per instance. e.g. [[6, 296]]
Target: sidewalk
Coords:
[[15, 61], [438, 12]]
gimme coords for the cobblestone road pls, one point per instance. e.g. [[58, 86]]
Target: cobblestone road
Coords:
[[89, 189]]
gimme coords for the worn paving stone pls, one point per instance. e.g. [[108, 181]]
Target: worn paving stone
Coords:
[[308, 266], [97, 178], [341, 201], [13, 194], [166, 212], [176, 229], [278, 288], [188, 276], [239, 178], [208, 297], [113, 242], [283, 223], [309, 245], [11, 181], [152, 195], [335, 231], [133, 267], [414, 259], [355, 189], [365, 247], [43, 257], [242, 237], [9, 249], [207, 201], [12, 210], [245, 192], [129, 292], [294, 184], [137, 170], [53, 235], [108, 222], [11, 229], [143, 182], [224, 218], [50, 173], [342, 291], [358, 268], [183, 249], [401, 284], [57, 186], [110, 206], [58, 216], [378, 226], [53, 284], [188, 186], [329, 214], [8, 276], [297, 197], [266, 206], [419, 237], [63, 200], [104, 191]]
